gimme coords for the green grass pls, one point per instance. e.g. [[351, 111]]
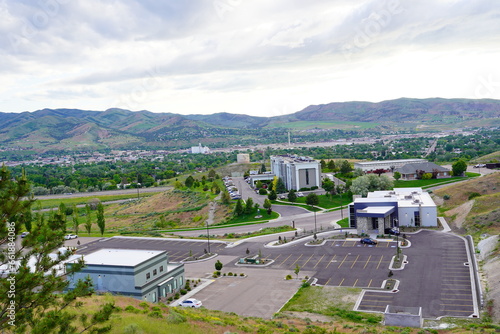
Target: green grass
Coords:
[[428, 183], [53, 203], [344, 222], [325, 202], [250, 218]]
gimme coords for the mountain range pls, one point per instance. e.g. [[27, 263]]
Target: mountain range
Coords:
[[74, 129]]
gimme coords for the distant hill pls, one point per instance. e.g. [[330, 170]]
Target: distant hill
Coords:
[[74, 129]]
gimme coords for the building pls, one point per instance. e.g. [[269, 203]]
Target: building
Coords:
[[296, 172], [387, 165], [411, 171], [385, 209], [200, 149], [143, 274], [243, 158]]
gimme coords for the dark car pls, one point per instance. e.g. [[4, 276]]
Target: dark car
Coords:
[[368, 241], [392, 231]]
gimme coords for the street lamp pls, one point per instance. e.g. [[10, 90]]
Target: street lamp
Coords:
[[208, 238], [315, 230]]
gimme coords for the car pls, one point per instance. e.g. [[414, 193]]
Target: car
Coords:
[[190, 302], [299, 194], [480, 166], [24, 234], [369, 241], [392, 231], [70, 236]]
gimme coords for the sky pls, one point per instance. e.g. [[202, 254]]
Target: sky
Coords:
[[254, 57]]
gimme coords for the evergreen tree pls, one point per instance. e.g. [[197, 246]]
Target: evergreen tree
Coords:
[[189, 181], [280, 186], [238, 209], [249, 205], [292, 196], [225, 198], [272, 195], [37, 305]]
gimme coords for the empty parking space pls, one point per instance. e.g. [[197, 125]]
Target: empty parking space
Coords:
[[456, 290], [375, 301]]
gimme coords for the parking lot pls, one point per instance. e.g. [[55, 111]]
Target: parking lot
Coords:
[[437, 276]]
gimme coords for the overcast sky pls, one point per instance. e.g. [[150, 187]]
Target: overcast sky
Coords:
[[256, 57]]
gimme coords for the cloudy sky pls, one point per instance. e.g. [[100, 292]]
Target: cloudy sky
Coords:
[[255, 57]]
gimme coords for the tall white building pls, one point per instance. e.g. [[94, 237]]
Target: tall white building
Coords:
[[296, 172], [200, 149]]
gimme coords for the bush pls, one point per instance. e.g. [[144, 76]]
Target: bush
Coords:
[[262, 191], [446, 197], [132, 309], [242, 274], [288, 277], [229, 274], [155, 314], [474, 195], [183, 292], [175, 318]]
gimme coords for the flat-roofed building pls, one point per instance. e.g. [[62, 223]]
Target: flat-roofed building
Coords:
[[296, 172], [394, 208], [143, 274], [387, 165]]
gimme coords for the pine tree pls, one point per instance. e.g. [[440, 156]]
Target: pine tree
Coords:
[[88, 218], [36, 305]]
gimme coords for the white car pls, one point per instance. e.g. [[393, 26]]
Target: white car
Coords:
[[190, 302], [70, 236]]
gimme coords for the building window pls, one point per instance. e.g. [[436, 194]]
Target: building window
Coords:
[[307, 176], [154, 297], [148, 275], [180, 281], [154, 272], [161, 269]]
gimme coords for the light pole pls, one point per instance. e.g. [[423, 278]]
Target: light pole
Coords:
[[315, 230], [208, 238]]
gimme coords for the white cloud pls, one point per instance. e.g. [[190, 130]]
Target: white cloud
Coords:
[[256, 57]]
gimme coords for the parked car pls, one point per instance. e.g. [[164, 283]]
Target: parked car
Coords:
[[369, 241], [190, 302], [480, 166], [299, 194], [24, 234], [392, 231], [70, 236]]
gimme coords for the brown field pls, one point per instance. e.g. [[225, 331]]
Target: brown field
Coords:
[[459, 193]]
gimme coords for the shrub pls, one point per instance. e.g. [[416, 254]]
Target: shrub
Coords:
[[132, 309], [242, 274], [155, 314], [175, 318], [446, 197], [474, 195], [183, 292], [288, 277], [262, 191]]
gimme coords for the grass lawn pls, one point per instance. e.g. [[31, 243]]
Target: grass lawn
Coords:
[[251, 218], [325, 201], [53, 203], [429, 183]]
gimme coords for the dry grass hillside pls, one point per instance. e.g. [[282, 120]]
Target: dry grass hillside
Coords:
[[459, 193], [492, 157], [170, 209]]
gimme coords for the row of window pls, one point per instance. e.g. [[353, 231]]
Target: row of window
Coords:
[[155, 272]]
